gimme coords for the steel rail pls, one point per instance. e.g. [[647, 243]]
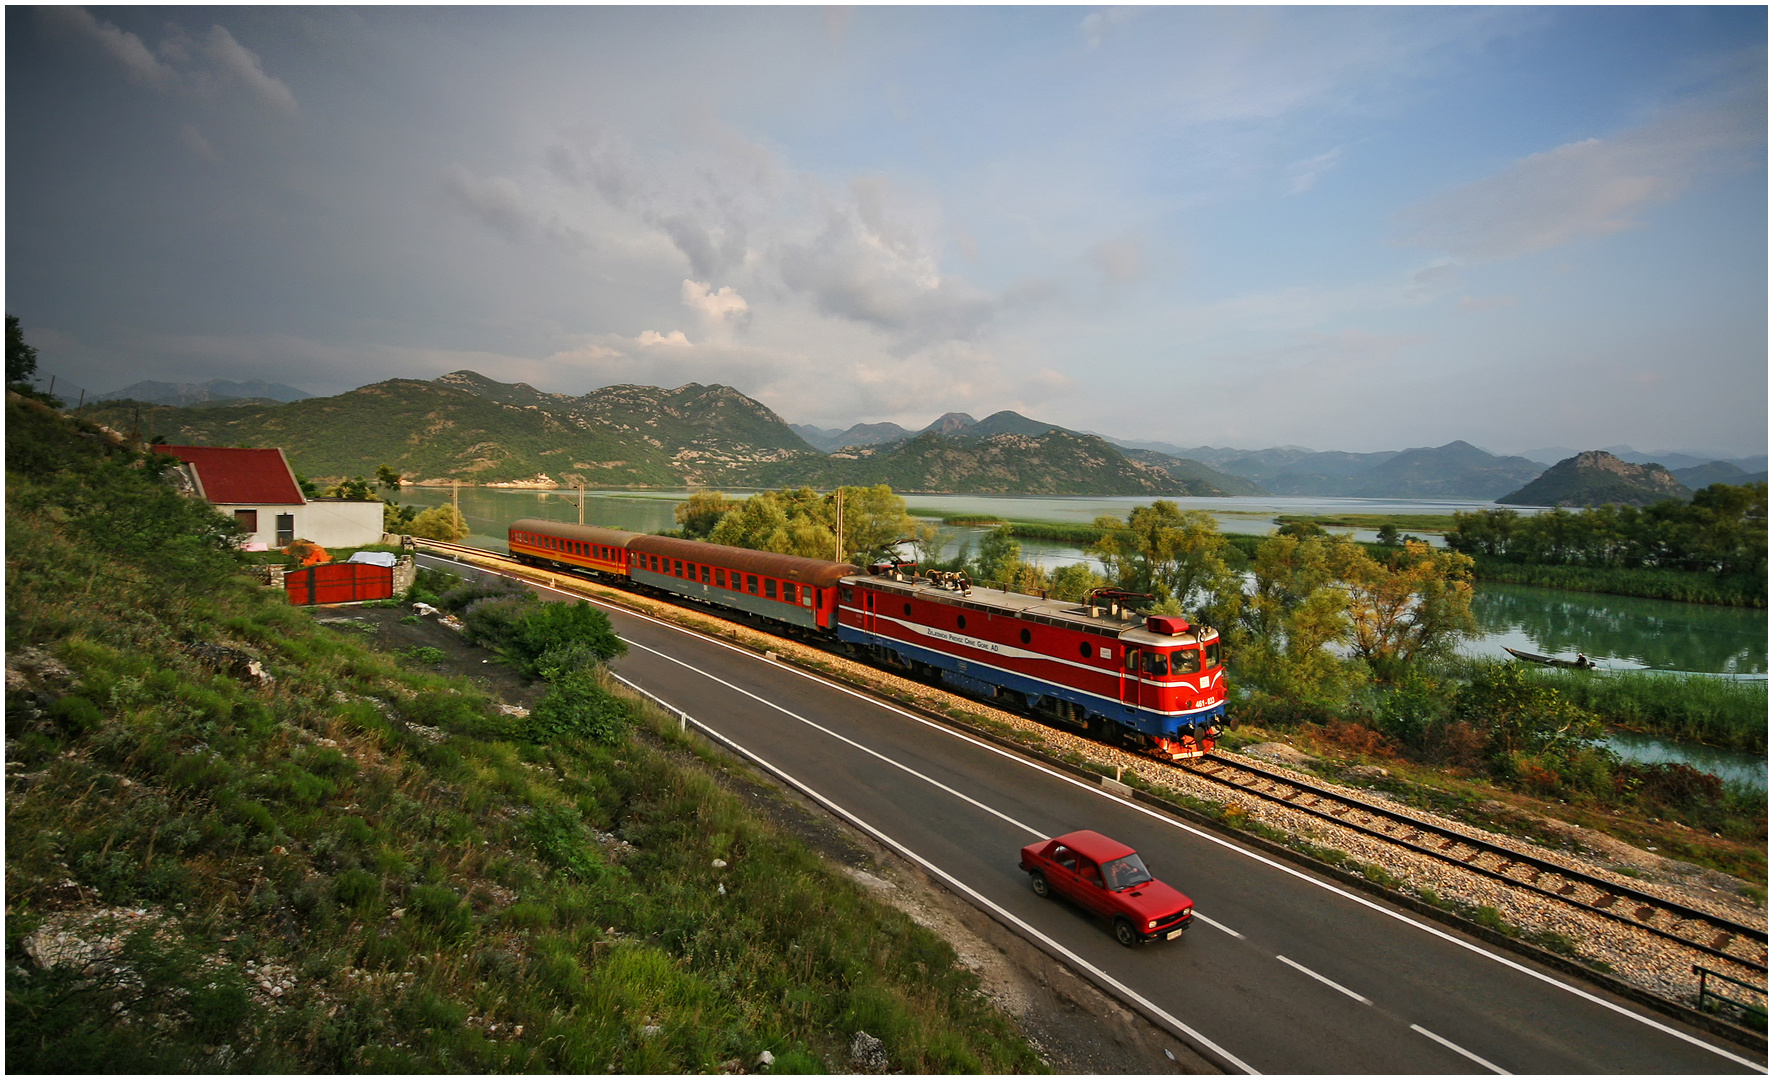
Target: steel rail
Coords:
[[1648, 904]]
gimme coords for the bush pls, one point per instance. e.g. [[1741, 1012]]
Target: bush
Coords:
[[576, 707]]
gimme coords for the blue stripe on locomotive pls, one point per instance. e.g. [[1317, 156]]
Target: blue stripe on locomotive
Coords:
[[1143, 721]]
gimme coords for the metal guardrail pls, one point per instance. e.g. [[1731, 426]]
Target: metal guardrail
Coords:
[[1749, 1013]]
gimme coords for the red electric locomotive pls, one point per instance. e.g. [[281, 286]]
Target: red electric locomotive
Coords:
[[1152, 681]]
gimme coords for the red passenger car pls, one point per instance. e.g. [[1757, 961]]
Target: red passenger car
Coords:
[[1108, 878]]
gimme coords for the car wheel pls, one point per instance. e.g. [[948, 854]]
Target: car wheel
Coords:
[[1124, 933], [1038, 882]]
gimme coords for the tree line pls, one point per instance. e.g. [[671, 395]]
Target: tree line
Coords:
[[1722, 531]]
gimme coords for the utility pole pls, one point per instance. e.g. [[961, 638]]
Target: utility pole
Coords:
[[581, 502], [839, 557]]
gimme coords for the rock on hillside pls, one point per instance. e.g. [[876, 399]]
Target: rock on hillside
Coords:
[[1194, 477], [1594, 478]]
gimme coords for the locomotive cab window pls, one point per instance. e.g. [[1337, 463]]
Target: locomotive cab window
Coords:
[[1132, 660], [1157, 664], [1186, 662], [1211, 649]]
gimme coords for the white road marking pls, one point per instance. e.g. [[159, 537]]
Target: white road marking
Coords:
[[1036, 833], [1203, 834], [1331, 983], [1457, 1049], [1217, 925], [962, 887]]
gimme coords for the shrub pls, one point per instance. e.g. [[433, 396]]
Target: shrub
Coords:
[[577, 707]]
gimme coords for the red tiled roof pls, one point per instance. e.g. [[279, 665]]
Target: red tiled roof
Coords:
[[231, 475]]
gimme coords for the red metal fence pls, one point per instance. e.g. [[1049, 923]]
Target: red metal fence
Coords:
[[339, 583]]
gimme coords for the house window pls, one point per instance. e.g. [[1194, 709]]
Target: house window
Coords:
[[248, 520], [285, 530]]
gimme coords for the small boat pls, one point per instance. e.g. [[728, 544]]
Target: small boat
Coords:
[[1581, 661]]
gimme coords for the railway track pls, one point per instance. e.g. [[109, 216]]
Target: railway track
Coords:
[[1713, 935]]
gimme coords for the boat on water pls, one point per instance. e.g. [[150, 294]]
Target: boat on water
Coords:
[[1581, 662]]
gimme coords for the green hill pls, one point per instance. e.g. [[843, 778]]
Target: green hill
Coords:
[[239, 840], [1596, 478]]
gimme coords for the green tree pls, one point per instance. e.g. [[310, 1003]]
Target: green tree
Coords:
[[1415, 605], [21, 358], [356, 489], [701, 512], [388, 476], [1518, 715], [398, 519], [1166, 551], [1074, 581], [440, 523], [1297, 608]]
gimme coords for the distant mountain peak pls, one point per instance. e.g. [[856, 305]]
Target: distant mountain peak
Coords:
[[1596, 478], [950, 423]]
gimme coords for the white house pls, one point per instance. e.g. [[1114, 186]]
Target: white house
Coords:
[[259, 489]]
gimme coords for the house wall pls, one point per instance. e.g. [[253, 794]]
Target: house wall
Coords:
[[329, 524], [340, 524]]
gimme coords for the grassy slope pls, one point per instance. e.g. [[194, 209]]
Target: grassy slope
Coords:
[[425, 892]]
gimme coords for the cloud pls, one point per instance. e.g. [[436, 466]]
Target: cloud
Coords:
[[1120, 261], [674, 340], [724, 306], [122, 46], [494, 201], [197, 144], [241, 66], [1304, 174], [205, 69], [1098, 23], [1594, 187]]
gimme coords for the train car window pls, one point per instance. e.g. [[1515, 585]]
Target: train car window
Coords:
[[704, 575], [677, 568], [790, 592], [751, 584], [806, 596], [720, 578], [1083, 649], [1026, 636], [1157, 664], [907, 609], [1211, 649], [769, 588], [960, 621], [1185, 662]]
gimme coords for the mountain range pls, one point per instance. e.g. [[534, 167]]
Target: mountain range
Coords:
[[468, 427], [150, 392]]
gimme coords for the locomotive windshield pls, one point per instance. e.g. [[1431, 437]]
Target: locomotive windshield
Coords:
[[1185, 661]]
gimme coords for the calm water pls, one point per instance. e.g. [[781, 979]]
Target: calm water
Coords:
[[1618, 632]]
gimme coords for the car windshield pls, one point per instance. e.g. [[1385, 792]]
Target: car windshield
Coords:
[[1125, 872]]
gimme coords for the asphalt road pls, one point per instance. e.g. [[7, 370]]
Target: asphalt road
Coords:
[[1283, 971]]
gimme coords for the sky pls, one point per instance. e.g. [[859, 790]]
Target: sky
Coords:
[[1342, 228]]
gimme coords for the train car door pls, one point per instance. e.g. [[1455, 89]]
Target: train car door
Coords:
[[1129, 678]]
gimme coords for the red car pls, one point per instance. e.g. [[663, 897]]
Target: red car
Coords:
[[1107, 877]]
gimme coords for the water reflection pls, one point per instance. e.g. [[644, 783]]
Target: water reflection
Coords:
[[1622, 631], [1732, 766]]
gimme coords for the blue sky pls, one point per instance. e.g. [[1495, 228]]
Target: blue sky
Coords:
[[1343, 228]]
